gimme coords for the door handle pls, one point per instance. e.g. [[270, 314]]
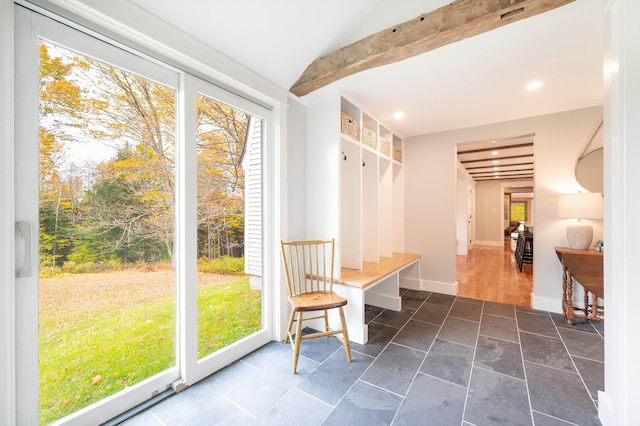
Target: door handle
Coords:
[[23, 249]]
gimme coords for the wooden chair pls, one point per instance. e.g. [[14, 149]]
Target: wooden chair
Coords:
[[308, 268]]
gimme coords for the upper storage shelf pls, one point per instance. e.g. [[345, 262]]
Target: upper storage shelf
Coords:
[[370, 133]]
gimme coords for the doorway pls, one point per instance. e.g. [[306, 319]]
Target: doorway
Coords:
[[495, 169]]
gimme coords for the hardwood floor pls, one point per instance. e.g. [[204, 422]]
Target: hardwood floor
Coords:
[[490, 273]]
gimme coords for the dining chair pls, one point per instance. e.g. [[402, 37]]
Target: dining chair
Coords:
[[308, 269]]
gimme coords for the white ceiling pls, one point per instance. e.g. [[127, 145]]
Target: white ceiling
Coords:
[[476, 81]]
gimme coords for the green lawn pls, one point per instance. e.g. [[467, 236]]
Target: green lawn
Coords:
[[98, 337]]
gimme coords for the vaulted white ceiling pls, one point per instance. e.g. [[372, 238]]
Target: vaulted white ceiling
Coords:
[[476, 81]]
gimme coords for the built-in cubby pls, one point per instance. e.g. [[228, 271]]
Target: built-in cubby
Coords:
[[371, 198], [362, 208]]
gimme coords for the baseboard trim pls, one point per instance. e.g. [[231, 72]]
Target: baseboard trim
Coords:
[[439, 287], [605, 411], [550, 304]]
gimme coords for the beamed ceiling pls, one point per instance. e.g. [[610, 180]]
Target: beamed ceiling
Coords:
[[507, 159]]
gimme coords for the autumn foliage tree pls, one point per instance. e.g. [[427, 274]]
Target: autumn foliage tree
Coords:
[[123, 207]]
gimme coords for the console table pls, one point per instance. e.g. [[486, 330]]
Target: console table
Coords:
[[586, 268]]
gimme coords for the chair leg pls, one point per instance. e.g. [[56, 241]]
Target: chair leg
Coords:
[[296, 346], [288, 333], [326, 321], [345, 335]]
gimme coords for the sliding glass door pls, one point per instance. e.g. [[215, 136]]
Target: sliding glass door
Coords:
[[131, 202]]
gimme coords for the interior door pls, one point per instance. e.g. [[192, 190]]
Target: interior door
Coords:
[[95, 191]]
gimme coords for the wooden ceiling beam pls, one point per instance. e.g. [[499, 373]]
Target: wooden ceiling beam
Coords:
[[505, 178], [501, 165], [496, 148], [497, 158], [451, 23]]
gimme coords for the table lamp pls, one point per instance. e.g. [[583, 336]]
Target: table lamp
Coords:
[[582, 205]]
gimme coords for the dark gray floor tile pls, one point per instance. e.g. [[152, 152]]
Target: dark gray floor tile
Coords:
[[560, 394], [599, 326], [531, 311], [259, 393], [413, 299], [460, 331], [499, 327], [441, 299], [417, 334], [496, 399], [466, 310], [370, 312], [394, 369], [469, 300], [500, 356], [537, 324], [499, 309], [333, 378], [365, 405], [449, 361], [584, 345], [379, 337], [432, 313], [541, 419], [176, 409], [187, 403], [296, 408], [395, 319], [220, 412], [268, 354], [432, 401], [321, 348], [592, 373], [283, 368], [578, 323], [219, 383], [546, 351], [145, 418]]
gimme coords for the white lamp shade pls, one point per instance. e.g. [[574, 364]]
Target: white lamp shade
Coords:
[[582, 205]]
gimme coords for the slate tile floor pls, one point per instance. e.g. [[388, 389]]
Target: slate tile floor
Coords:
[[442, 360]]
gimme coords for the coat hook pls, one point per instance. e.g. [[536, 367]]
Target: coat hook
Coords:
[[363, 163], [344, 156]]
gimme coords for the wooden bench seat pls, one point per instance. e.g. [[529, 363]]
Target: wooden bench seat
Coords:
[[377, 284]]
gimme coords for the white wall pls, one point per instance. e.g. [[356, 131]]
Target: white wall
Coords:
[[489, 213], [618, 405], [294, 181], [430, 210], [430, 204]]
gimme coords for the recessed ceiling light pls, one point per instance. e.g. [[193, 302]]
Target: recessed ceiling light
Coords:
[[493, 141], [495, 161], [496, 168], [494, 152], [398, 115], [534, 85]]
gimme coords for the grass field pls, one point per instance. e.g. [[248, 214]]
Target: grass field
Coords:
[[100, 333]]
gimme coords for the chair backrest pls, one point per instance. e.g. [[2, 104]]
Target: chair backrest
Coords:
[[308, 265]]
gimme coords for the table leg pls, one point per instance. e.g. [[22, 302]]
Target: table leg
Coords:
[[569, 298]]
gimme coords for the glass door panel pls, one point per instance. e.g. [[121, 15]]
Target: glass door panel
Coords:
[[107, 288], [229, 308]]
